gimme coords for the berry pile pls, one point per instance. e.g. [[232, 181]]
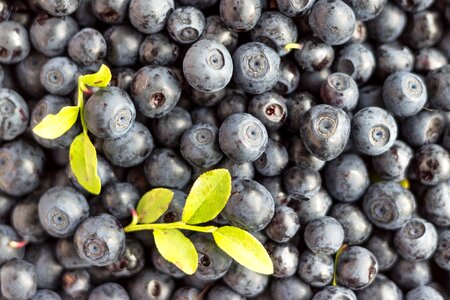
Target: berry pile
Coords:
[[331, 116]]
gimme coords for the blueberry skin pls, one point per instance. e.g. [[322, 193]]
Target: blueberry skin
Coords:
[[426, 127], [367, 9], [130, 262], [207, 66], [242, 137], [315, 269], [340, 90], [148, 16], [299, 155], [316, 207], [157, 99], [14, 114], [416, 240], [290, 288], [312, 81], [424, 29], [324, 235], [236, 102], [50, 104], [84, 15], [5, 11], [275, 187], [186, 24], [302, 182], [273, 161], [164, 266], [284, 258], [256, 67], [423, 293], [122, 77], [119, 197], [58, 8], [28, 71], [110, 11], [395, 57], [200, 4], [130, 149], [415, 5], [201, 114], [411, 274], [298, 104], [59, 76], [429, 59], [6, 205], [393, 164], [357, 61], [380, 244], [50, 35], [48, 269], [388, 205], [61, 210], [357, 267], [76, 283], [244, 170], [289, 78], [356, 226], [240, 16], [19, 280], [374, 130], [25, 220], [435, 204], [333, 22], [220, 292], [123, 43], [431, 164], [294, 8], [199, 145], [109, 290], [347, 177], [250, 206], [443, 250], [314, 55], [7, 235], [325, 131], [22, 165], [270, 108], [275, 30], [437, 82], [169, 128], [334, 293], [213, 263], [45, 294], [245, 281], [158, 49], [109, 113], [215, 29], [165, 168], [189, 293], [87, 47], [370, 95], [284, 224], [100, 240], [381, 288], [14, 42], [67, 255]]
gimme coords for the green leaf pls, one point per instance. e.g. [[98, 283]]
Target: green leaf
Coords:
[[153, 204], [99, 79], [177, 249], [54, 126], [83, 162], [244, 248], [208, 196]]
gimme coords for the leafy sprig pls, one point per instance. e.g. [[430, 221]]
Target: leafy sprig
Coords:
[[83, 156], [208, 196]]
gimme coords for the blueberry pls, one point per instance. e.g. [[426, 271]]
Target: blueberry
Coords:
[[19, 280], [395, 57], [340, 90], [290, 288], [312, 81], [235, 102], [104, 171], [28, 71], [324, 235], [242, 137], [25, 220], [100, 240], [215, 29], [424, 29], [443, 250], [58, 8], [256, 67], [14, 114], [110, 290], [122, 77], [275, 187], [302, 182], [87, 47], [119, 197], [84, 14], [165, 168], [356, 226], [130, 262], [148, 16], [423, 293], [289, 78], [158, 49], [393, 164], [437, 81], [45, 294], [164, 266], [240, 16], [50, 35], [7, 235], [435, 205], [415, 5], [300, 156], [325, 131], [110, 11], [186, 293], [208, 66], [334, 293], [316, 207], [367, 9], [410, 274], [14, 43], [245, 281], [200, 4], [244, 170], [273, 161], [169, 128], [426, 127], [357, 267], [123, 43], [284, 258], [431, 164], [48, 269], [333, 22], [294, 8], [357, 61], [314, 54], [6, 205], [429, 59], [380, 244], [186, 24], [284, 224], [59, 76], [67, 255], [221, 292], [270, 108], [204, 115], [157, 99], [76, 284], [250, 206], [381, 288], [5, 11], [315, 269]]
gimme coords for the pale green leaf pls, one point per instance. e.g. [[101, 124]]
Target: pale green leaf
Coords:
[[177, 249], [83, 162], [99, 79], [54, 126], [244, 248], [208, 196], [153, 204]]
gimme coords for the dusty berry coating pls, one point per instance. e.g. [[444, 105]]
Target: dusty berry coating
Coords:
[[357, 267], [393, 57], [149, 16], [119, 197], [59, 75], [316, 207], [87, 47], [431, 164], [219, 292], [356, 226], [19, 280], [169, 128], [393, 164], [250, 206], [388, 205], [28, 71], [240, 16], [123, 43], [59, 8], [45, 294], [186, 24], [270, 108], [424, 29], [298, 104], [290, 288], [429, 59], [207, 66], [245, 170], [380, 244], [215, 29], [7, 235], [366, 9], [284, 258], [294, 8], [388, 25], [335, 293], [423, 293], [109, 290], [273, 161], [410, 274], [245, 281], [302, 182], [381, 288], [191, 293], [256, 67], [340, 90], [284, 224], [346, 177], [25, 220], [436, 206], [158, 49], [443, 250], [315, 269], [357, 61], [48, 268], [110, 11], [155, 91], [76, 283], [314, 54], [274, 185], [437, 82], [324, 235], [416, 240], [325, 131], [426, 127], [100, 240], [289, 78], [14, 42], [14, 114], [130, 262]]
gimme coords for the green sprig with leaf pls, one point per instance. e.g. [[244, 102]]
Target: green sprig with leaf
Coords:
[[83, 156], [208, 196]]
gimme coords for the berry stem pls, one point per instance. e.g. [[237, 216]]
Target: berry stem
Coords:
[[17, 245], [336, 259], [134, 215], [174, 225], [293, 46]]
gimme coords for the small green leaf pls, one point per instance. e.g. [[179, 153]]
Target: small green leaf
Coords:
[[244, 248], [153, 204], [83, 162], [99, 79], [177, 249], [54, 126], [208, 196]]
